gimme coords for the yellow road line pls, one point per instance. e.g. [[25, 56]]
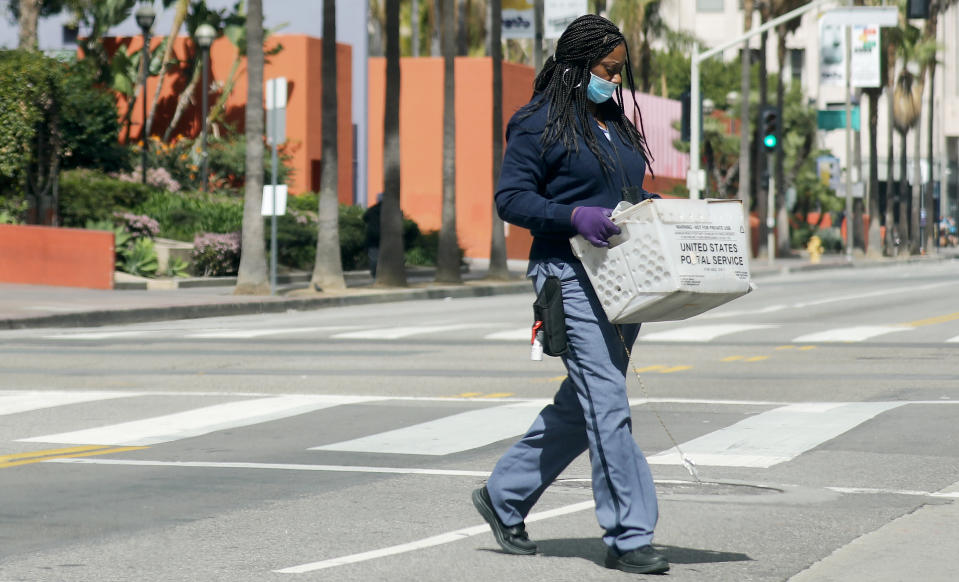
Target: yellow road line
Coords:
[[932, 320], [469, 394], [785, 347], [807, 348], [69, 456], [674, 369], [649, 369], [48, 452], [732, 358], [497, 395], [757, 358]]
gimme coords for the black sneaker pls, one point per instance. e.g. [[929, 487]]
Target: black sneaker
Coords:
[[644, 560], [512, 539]]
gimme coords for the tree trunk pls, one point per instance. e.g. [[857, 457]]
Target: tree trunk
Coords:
[[29, 16], [903, 196], [915, 235], [178, 18], [435, 30], [390, 270], [498, 266], [186, 97], [462, 27], [874, 246], [929, 204], [448, 259], [252, 276], [744, 141], [783, 244], [891, 192], [328, 267]]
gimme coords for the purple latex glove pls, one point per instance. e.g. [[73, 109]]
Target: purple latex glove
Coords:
[[594, 224]]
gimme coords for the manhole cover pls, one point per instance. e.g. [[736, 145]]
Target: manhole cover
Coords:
[[665, 487]]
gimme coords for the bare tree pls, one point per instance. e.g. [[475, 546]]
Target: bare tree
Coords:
[[252, 276], [498, 267], [328, 268], [448, 260], [29, 15], [178, 17], [390, 271]]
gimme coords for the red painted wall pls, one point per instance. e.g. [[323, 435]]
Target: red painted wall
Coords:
[[69, 257], [421, 144], [300, 61]]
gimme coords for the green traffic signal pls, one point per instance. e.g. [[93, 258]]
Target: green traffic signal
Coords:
[[769, 141]]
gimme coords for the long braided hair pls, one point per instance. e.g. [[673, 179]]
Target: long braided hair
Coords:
[[563, 80]]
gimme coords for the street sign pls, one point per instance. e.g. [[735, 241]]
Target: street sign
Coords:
[[276, 110], [266, 208], [558, 14]]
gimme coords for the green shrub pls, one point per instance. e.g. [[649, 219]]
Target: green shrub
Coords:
[[183, 215], [216, 254], [91, 195], [140, 258]]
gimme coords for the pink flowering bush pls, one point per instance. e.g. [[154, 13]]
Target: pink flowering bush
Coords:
[[157, 177], [138, 225], [216, 254]]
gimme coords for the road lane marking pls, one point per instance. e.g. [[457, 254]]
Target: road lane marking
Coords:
[[911, 492], [253, 333], [16, 401], [271, 466], [757, 358], [774, 436], [933, 320], [444, 538], [450, 434], [522, 333], [401, 332], [96, 335], [701, 333], [732, 358], [953, 340], [47, 453], [102, 451], [850, 334], [200, 421], [880, 293]]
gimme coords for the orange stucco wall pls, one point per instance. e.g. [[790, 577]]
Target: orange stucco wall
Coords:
[[421, 144], [300, 61], [69, 257]]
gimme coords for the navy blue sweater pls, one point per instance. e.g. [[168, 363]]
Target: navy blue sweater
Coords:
[[538, 190]]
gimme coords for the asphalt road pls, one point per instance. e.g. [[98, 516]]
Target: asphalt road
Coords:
[[342, 444]]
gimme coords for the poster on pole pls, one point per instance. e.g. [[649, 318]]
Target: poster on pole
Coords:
[[832, 53], [865, 56], [518, 19], [557, 14]]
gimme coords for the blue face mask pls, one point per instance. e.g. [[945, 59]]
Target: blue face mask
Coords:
[[599, 89]]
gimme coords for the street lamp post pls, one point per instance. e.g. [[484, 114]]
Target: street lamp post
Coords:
[[204, 38], [145, 16]]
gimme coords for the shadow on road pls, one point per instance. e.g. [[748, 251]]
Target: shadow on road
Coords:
[[594, 550]]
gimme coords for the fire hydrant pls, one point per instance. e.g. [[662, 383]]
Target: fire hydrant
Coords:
[[814, 246]]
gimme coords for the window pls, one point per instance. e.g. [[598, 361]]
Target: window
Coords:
[[796, 59], [709, 5]]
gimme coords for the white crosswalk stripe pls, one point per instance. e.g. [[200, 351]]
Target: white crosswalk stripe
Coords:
[[200, 421], [774, 436], [700, 333], [401, 332], [254, 333], [850, 334], [451, 434]]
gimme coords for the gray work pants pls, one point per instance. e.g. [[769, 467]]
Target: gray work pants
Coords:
[[590, 411]]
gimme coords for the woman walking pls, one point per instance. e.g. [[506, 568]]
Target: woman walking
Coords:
[[571, 157]]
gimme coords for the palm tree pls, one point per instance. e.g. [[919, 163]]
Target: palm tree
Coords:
[[498, 267], [745, 57], [873, 248], [28, 17], [328, 268], [389, 270], [179, 16], [448, 260], [252, 275]]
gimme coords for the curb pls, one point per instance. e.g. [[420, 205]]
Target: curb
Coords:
[[268, 305]]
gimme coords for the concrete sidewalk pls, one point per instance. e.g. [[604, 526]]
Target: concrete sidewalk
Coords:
[[139, 300]]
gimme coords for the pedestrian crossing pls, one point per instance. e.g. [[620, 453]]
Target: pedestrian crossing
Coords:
[[673, 332], [759, 434]]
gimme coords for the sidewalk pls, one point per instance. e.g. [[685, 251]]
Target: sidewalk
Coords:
[[139, 300]]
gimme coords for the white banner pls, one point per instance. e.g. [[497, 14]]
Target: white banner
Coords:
[[865, 56], [832, 53], [518, 19], [557, 14]]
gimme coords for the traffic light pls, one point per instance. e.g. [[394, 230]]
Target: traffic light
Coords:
[[769, 128]]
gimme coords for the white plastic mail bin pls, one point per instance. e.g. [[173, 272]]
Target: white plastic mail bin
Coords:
[[674, 259]]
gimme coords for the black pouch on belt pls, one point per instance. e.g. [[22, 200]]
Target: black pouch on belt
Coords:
[[548, 308]]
